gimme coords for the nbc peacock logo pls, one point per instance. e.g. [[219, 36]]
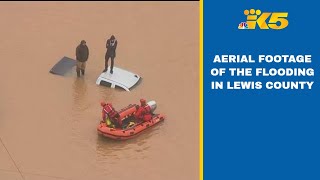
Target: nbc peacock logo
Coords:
[[243, 25], [277, 20]]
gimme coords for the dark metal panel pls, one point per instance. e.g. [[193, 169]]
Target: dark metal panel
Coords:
[[63, 66]]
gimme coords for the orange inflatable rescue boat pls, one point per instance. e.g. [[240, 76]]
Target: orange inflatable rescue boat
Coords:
[[130, 125]]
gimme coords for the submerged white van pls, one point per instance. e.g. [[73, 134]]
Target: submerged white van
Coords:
[[119, 79]]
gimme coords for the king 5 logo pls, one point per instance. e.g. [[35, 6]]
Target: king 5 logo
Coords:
[[255, 17]]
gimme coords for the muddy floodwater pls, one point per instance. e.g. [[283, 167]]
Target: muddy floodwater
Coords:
[[48, 122]]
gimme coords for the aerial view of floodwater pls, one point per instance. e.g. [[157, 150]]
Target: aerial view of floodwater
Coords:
[[48, 123]]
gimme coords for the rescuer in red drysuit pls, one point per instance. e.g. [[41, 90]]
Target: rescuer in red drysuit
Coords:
[[144, 111], [109, 111]]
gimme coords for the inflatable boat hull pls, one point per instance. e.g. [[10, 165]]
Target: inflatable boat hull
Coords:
[[128, 133]]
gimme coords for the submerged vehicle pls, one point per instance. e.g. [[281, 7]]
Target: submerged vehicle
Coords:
[[120, 78], [131, 126], [63, 66]]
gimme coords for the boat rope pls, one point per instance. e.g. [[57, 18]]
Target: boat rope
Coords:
[[12, 159]]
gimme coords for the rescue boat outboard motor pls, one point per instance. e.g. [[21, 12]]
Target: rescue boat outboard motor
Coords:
[[152, 105]]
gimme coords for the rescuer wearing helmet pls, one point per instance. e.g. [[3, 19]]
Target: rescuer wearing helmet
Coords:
[[144, 111], [110, 115]]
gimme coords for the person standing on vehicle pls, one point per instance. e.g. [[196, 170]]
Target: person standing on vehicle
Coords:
[[111, 46], [82, 55]]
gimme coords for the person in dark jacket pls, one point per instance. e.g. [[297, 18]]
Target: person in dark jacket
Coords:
[[111, 46], [82, 55]]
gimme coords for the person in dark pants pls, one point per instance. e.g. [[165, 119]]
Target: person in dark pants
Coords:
[[111, 53], [82, 55]]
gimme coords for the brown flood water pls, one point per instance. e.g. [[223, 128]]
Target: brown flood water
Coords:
[[48, 122]]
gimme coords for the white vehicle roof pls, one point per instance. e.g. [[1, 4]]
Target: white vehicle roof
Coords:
[[120, 78]]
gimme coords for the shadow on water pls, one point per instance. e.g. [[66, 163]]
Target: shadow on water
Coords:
[[79, 108], [108, 94], [80, 92]]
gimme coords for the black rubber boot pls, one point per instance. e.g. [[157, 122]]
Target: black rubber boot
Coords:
[[82, 72], [111, 71]]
